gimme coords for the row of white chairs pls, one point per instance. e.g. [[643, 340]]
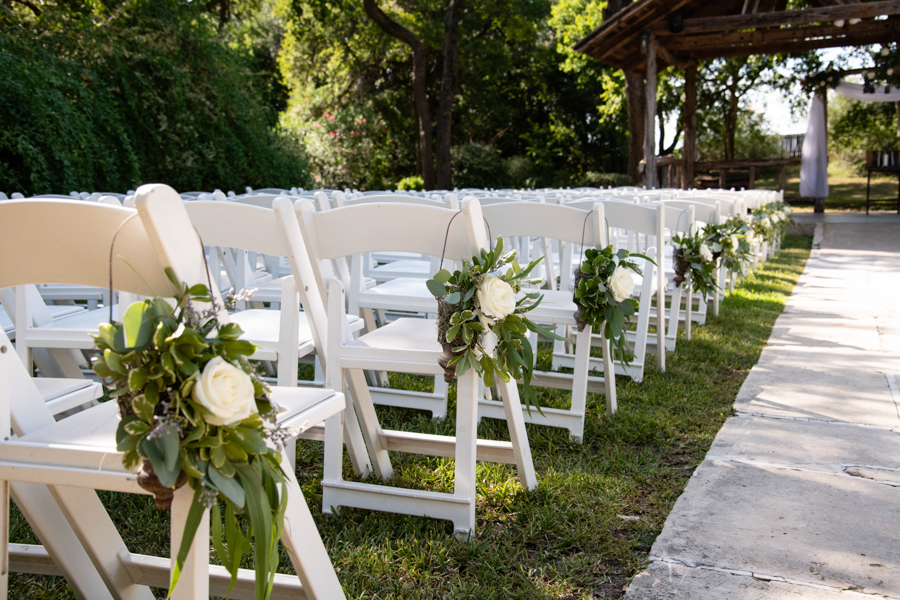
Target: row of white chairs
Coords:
[[319, 244]]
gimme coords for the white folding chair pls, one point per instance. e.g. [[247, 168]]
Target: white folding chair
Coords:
[[283, 335], [649, 221], [405, 345], [573, 226], [52, 468]]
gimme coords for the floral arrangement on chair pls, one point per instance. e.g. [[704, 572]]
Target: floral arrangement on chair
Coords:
[[764, 224], [481, 321], [194, 411], [603, 288], [780, 215], [695, 256], [730, 241]]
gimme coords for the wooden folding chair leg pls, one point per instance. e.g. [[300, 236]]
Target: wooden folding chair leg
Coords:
[[515, 420], [467, 394], [356, 444], [609, 380], [674, 314], [82, 508], [718, 276], [60, 542], [689, 309], [304, 545], [194, 580], [580, 378], [371, 430]]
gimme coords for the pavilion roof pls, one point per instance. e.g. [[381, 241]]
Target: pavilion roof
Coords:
[[724, 28]]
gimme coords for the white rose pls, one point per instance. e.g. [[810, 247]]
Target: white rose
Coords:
[[705, 252], [488, 342], [496, 297], [621, 284], [776, 217], [765, 222], [749, 236], [734, 242], [225, 391]]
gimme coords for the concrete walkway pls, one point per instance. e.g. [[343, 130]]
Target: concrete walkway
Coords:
[[799, 496]]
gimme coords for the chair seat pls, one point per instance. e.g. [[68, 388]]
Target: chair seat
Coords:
[[402, 342], [268, 291], [261, 326], [401, 268], [56, 311], [95, 428], [403, 293], [65, 291], [62, 394], [73, 331]]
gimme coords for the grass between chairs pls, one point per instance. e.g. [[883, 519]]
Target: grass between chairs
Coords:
[[588, 527]]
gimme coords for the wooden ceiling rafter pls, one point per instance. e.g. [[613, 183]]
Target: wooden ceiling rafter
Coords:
[[782, 18], [619, 27], [761, 38], [725, 28]]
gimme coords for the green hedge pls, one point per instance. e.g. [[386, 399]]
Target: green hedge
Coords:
[[149, 93]]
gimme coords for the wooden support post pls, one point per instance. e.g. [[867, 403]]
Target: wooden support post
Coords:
[[752, 178], [650, 123], [722, 178], [782, 179], [690, 124]]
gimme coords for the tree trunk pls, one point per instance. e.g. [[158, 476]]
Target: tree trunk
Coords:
[[690, 124], [650, 171], [731, 123], [636, 104], [448, 95], [419, 70]]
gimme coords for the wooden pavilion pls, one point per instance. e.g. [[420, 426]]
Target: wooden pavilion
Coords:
[[644, 37]]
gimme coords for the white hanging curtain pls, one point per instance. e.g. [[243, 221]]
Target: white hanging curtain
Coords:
[[814, 157], [855, 91]]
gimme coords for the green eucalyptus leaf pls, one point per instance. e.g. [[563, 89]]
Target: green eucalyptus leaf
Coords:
[[442, 276], [436, 288], [229, 486]]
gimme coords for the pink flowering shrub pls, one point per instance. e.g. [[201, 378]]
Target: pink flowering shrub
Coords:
[[346, 147]]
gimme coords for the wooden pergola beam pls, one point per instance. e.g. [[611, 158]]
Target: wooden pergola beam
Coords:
[[824, 14], [620, 27], [770, 41], [783, 40]]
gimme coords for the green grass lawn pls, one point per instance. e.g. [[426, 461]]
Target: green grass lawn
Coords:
[[566, 539], [846, 189]]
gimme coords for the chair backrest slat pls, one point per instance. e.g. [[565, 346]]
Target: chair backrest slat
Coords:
[[384, 227], [68, 241], [534, 219], [236, 225]]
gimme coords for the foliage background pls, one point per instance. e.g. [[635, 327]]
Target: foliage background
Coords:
[[106, 96], [102, 95]]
